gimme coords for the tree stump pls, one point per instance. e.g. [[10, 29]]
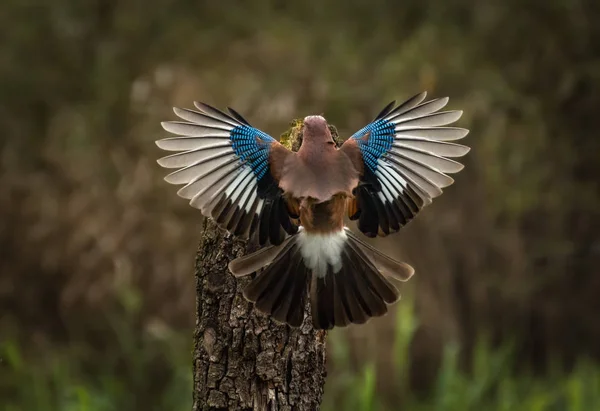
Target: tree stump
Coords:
[[242, 359]]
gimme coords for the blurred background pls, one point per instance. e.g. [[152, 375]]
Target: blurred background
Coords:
[[97, 252]]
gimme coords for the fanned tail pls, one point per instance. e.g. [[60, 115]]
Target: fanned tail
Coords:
[[346, 279]]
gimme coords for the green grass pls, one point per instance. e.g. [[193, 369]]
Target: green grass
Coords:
[[56, 381], [154, 373], [490, 385], [138, 370]]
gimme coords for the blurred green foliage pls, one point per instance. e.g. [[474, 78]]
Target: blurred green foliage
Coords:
[[56, 383], [490, 384], [148, 370], [97, 252]]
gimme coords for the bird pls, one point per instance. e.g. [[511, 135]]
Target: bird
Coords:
[[293, 204]]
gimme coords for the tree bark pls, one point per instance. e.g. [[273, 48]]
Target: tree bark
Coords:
[[242, 359]]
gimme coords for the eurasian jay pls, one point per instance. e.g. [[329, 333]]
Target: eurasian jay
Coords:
[[293, 203]]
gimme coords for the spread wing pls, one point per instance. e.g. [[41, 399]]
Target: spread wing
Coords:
[[403, 159], [230, 171]]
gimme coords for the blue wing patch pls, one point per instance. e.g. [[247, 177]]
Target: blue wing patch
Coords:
[[252, 146], [374, 140]]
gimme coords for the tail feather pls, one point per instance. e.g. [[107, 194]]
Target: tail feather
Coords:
[[270, 286], [280, 288], [351, 299], [251, 263], [267, 281], [322, 296], [345, 277], [371, 303], [289, 306], [376, 282], [340, 311], [294, 312], [387, 265]]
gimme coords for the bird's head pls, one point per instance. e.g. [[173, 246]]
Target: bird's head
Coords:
[[316, 130]]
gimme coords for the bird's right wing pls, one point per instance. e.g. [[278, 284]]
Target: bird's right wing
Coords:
[[402, 157], [231, 172]]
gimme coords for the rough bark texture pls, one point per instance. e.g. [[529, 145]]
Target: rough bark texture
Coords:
[[242, 359]]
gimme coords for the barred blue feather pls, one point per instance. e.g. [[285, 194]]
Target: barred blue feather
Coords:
[[252, 146], [379, 139]]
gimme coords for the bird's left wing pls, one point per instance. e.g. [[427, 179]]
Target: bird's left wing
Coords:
[[403, 164], [231, 172]]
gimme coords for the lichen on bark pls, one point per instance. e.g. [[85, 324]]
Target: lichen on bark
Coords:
[[292, 138], [242, 359]]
